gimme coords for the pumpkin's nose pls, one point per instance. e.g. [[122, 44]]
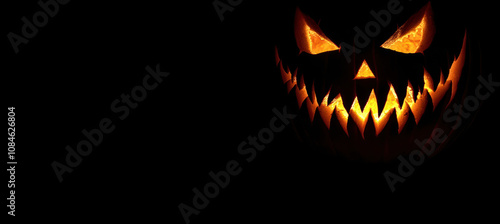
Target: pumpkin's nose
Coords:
[[364, 72]]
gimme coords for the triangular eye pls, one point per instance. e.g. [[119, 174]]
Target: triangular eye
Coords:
[[415, 35], [309, 36]]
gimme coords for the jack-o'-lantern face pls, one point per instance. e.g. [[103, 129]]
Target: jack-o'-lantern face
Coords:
[[369, 87]]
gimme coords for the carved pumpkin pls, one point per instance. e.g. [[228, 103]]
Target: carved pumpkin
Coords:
[[377, 97]]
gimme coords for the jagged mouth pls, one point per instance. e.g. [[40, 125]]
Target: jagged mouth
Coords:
[[411, 103]]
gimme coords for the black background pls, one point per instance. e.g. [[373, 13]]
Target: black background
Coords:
[[222, 87]]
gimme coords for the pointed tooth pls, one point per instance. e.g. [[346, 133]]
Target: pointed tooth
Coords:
[[416, 78], [412, 90], [363, 90], [347, 97], [400, 89], [435, 74], [276, 55], [331, 94], [382, 91], [321, 90], [363, 96]]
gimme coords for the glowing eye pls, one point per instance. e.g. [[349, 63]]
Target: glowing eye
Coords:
[[415, 35], [309, 36]]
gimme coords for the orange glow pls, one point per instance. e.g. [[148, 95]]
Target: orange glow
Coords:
[[326, 111], [360, 116], [415, 35], [309, 36], [301, 91], [364, 72], [312, 105], [453, 77], [407, 43], [417, 106], [302, 95]]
